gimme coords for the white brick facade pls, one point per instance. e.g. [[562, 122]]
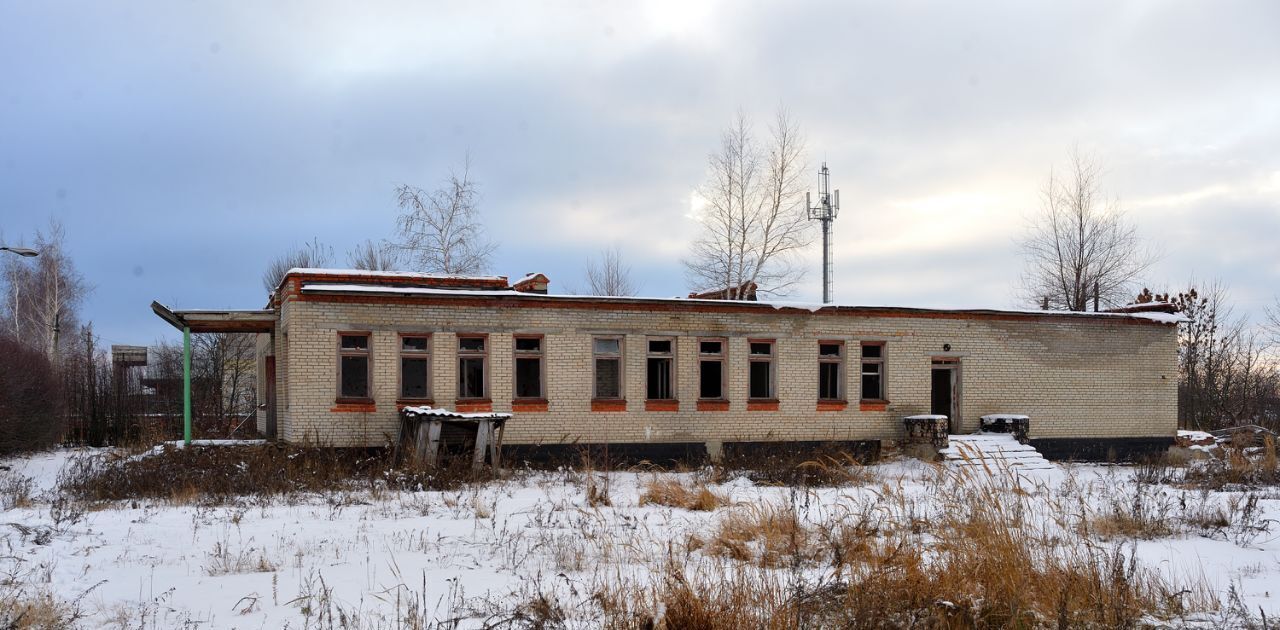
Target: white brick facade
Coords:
[[1075, 376]]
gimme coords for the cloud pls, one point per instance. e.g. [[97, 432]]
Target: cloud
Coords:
[[196, 141]]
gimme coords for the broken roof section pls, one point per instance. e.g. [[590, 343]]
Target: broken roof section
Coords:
[[228, 321]]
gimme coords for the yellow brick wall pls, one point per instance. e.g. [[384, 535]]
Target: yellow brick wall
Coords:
[[1075, 378]]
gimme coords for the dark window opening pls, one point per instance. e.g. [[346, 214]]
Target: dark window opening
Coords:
[[608, 378], [659, 346], [659, 379], [528, 378], [528, 344], [829, 381], [873, 371], [829, 349], [471, 344], [355, 377], [471, 377], [710, 347], [761, 348], [761, 379], [711, 379], [413, 344], [413, 378]]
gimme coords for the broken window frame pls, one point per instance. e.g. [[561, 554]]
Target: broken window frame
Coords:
[[707, 357], [879, 364], [415, 355], [528, 355], [367, 354], [767, 359], [670, 358], [470, 355], [838, 361], [597, 356]]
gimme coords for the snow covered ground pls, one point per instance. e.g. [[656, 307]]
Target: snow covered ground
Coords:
[[469, 553]]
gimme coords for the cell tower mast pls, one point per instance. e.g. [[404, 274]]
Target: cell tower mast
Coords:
[[827, 208]]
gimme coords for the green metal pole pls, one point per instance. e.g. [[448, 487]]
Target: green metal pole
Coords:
[[186, 386]]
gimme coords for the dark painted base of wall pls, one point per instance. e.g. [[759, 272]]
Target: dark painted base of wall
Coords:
[[671, 454], [1102, 449]]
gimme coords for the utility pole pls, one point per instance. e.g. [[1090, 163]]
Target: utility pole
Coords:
[[825, 211]]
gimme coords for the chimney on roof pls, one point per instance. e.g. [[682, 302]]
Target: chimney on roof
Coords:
[[532, 283]]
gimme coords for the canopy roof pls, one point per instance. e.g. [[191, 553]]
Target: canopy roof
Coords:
[[215, 321]]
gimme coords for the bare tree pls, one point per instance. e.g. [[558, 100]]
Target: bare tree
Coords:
[[754, 221], [440, 230], [609, 275], [43, 295], [1080, 245], [313, 254], [1226, 378], [372, 256]]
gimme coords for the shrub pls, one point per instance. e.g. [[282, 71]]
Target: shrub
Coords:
[[30, 415], [221, 473]]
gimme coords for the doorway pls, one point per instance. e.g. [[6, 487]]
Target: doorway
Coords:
[[944, 386]]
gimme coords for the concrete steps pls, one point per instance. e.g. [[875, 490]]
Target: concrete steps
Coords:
[[994, 451]]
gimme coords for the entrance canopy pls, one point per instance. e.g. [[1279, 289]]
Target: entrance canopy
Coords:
[[217, 321]]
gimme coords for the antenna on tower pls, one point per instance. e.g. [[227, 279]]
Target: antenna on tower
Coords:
[[827, 208]]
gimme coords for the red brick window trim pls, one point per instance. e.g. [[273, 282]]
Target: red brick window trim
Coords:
[[608, 404], [662, 405], [762, 405], [873, 406], [529, 405], [832, 405], [353, 407], [474, 406]]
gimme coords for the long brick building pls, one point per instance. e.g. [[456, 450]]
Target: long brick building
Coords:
[[341, 351]]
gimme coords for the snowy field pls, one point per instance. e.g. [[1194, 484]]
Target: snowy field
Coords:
[[470, 557]]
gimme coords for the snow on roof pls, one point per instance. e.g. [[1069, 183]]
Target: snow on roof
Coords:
[[409, 275], [926, 416], [813, 307], [996, 417]]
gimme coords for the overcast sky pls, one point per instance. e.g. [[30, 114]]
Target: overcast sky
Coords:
[[184, 144]]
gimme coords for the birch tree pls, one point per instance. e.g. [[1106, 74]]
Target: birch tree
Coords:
[[754, 221], [440, 230], [1081, 244], [44, 293], [610, 275]]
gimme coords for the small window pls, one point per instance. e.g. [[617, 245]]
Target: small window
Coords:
[[830, 362], [528, 356], [353, 365], [659, 370], [415, 367], [473, 367], [760, 370], [711, 369], [608, 368], [872, 371]]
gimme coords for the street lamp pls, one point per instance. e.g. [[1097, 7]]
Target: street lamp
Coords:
[[21, 251]]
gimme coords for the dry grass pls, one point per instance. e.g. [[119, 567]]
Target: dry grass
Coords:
[[1239, 467], [768, 535], [672, 492], [808, 469], [218, 474]]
